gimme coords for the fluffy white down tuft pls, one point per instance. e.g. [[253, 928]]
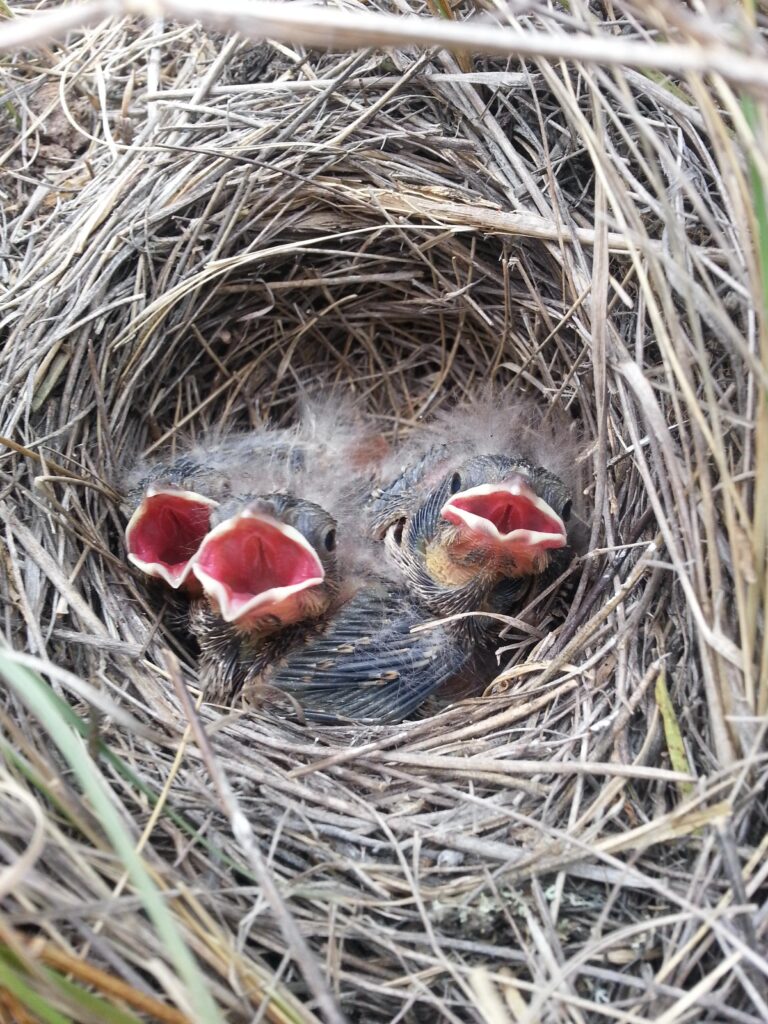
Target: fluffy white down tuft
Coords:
[[497, 423]]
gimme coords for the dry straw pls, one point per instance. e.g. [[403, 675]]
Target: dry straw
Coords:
[[193, 225]]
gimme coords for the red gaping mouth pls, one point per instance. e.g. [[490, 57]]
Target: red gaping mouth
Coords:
[[166, 530], [253, 565], [510, 516]]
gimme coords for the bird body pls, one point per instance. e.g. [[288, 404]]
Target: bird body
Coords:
[[465, 519]]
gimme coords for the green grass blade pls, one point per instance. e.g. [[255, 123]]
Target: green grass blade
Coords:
[[759, 594], [36, 1004], [37, 695], [673, 734], [80, 1001], [83, 728]]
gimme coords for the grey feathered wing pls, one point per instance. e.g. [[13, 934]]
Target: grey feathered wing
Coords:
[[369, 665]]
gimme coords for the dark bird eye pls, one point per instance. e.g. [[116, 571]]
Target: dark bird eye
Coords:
[[455, 484], [565, 515], [330, 540], [397, 531]]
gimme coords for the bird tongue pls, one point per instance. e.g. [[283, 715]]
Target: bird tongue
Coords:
[[165, 531], [253, 565], [510, 516]]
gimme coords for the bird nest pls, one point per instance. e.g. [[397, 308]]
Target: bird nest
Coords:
[[204, 229]]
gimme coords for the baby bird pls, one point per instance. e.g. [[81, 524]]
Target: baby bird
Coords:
[[166, 530], [466, 535], [493, 520], [269, 572]]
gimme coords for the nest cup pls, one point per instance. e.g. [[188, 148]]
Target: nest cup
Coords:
[[409, 236]]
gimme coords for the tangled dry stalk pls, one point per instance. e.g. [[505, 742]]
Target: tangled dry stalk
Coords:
[[193, 226]]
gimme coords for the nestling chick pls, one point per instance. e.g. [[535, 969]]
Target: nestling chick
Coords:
[[489, 426], [494, 518], [484, 496], [269, 571], [166, 530], [263, 560]]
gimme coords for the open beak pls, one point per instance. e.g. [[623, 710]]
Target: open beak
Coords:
[[509, 517], [165, 532], [252, 565]]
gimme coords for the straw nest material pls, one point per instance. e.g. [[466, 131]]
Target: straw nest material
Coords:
[[196, 228]]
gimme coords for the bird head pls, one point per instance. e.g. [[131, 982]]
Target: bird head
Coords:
[[165, 532], [493, 517], [268, 562]]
